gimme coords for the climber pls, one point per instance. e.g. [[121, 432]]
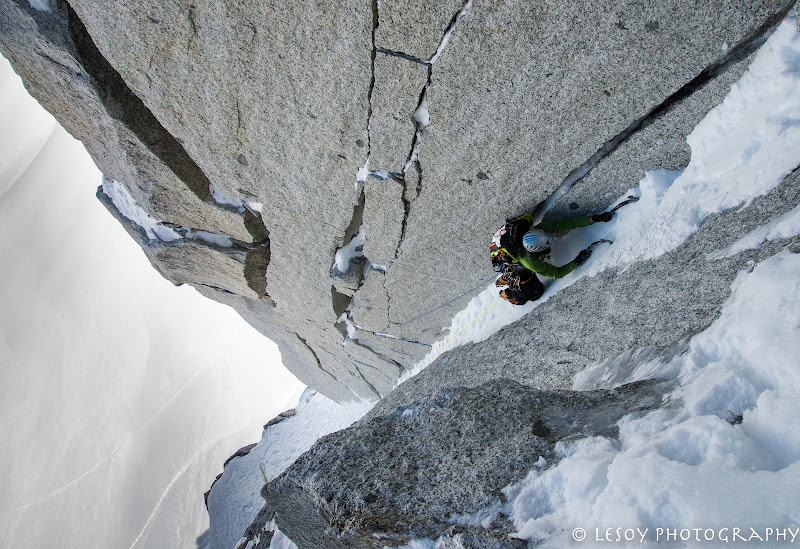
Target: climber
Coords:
[[520, 251]]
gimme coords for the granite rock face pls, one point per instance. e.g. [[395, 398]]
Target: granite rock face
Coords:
[[442, 446], [406, 474], [286, 127]]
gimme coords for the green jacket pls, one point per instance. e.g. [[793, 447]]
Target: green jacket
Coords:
[[535, 263]]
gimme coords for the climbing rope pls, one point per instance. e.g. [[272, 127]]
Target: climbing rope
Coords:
[[471, 290], [449, 302], [467, 326]]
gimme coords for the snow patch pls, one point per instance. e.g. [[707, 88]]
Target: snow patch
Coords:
[[131, 210], [205, 236], [228, 200], [41, 5], [350, 251], [363, 174], [352, 329], [422, 115]]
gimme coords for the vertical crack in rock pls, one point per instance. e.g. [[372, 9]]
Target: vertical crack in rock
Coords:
[[374, 55], [366, 381], [319, 363], [421, 120], [407, 211], [442, 44], [747, 46], [421, 115]]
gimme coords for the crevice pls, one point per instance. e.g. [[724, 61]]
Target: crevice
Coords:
[[357, 220], [216, 288], [406, 213], [319, 363], [254, 225], [214, 240], [363, 377], [390, 336], [746, 47], [255, 269], [340, 301], [373, 56], [402, 55]]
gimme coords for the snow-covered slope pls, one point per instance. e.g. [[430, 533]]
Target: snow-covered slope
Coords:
[[725, 456], [235, 499], [120, 394]]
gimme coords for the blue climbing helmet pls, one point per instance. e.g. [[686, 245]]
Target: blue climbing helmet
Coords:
[[536, 241]]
